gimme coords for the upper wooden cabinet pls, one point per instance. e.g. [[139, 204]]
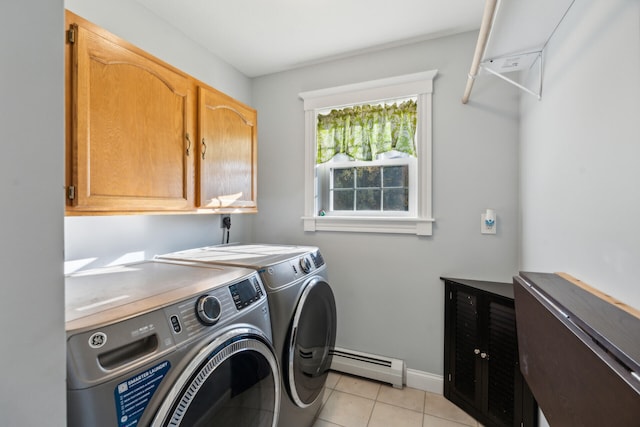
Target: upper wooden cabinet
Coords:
[[143, 136], [131, 118], [227, 152]]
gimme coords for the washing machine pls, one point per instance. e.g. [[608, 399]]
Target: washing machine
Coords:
[[303, 316], [169, 344]]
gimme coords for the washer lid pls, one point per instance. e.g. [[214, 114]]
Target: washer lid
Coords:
[[126, 290], [253, 255]]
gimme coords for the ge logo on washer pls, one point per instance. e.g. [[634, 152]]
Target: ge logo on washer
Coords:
[[97, 340]]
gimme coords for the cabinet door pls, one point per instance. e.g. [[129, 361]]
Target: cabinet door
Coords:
[[502, 362], [130, 126], [481, 358], [466, 368], [227, 153]]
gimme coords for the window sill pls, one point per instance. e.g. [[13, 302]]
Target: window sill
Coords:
[[417, 226]]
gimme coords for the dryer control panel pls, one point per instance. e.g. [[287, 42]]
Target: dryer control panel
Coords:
[[286, 272]]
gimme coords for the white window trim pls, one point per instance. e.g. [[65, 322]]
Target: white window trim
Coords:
[[420, 84]]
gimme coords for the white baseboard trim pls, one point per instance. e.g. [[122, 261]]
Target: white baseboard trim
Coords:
[[425, 381]]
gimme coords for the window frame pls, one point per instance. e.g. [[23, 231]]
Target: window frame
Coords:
[[419, 85]]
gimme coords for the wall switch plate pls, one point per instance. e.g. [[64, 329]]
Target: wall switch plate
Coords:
[[484, 229]]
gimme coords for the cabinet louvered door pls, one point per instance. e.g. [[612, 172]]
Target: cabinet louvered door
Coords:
[[465, 370], [502, 362]]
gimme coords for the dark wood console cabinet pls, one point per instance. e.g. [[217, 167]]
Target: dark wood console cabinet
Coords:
[[481, 368]]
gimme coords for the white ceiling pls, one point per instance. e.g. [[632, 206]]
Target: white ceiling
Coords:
[[260, 37]]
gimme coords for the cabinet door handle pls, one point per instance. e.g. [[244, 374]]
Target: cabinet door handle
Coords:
[[188, 143], [484, 355], [204, 148], [476, 351]]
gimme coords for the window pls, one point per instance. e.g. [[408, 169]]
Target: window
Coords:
[[368, 156], [382, 188], [365, 159]]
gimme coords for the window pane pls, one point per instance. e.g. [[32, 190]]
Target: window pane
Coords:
[[368, 200], [343, 178], [396, 199], [396, 176], [343, 200], [368, 176]]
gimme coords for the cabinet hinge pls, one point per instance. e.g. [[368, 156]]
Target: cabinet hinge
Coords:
[[71, 192], [71, 35]]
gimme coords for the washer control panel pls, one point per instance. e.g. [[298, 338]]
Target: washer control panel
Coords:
[[246, 292], [195, 315], [218, 306], [104, 351]]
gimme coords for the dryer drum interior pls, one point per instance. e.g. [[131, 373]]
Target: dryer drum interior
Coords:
[[232, 383], [312, 337]]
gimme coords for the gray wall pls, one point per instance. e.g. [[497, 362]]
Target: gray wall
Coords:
[[580, 178], [580, 145], [97, 241], [32, 359], [388, 291], [578, 190]]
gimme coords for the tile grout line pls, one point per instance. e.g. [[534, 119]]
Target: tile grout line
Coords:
[[376, 400]]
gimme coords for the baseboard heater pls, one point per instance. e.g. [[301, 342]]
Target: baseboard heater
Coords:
[[384, 369]]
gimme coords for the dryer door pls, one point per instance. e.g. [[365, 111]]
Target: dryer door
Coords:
[[311, 340], [233, 381]]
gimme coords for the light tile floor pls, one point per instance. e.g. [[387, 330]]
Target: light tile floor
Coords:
[[356, 402]]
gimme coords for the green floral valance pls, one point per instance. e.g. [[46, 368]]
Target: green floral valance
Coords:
[[362, 132]]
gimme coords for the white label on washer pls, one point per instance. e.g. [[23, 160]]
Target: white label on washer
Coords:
[[97, 340], [133, 395]]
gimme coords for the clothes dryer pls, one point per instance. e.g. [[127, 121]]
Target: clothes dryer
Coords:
[[167, 344], [303, 316]]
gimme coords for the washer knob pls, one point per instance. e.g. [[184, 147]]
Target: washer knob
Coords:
[[305, 264], [208, 309]]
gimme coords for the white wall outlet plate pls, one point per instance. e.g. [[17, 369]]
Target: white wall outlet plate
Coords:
[[484, 228]]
